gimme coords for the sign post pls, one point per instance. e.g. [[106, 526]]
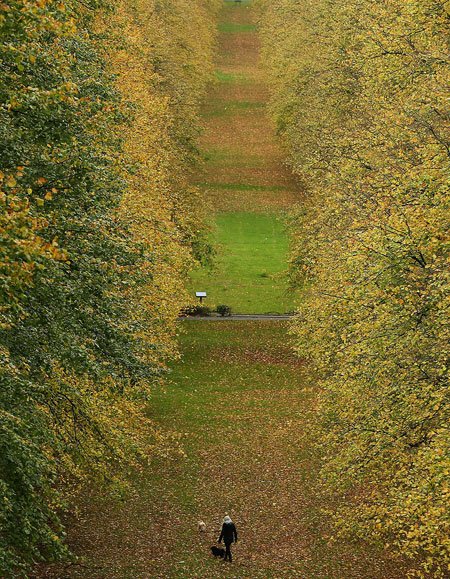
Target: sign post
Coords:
[[200, 295]]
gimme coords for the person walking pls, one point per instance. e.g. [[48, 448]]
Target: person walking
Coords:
[[228, 534]]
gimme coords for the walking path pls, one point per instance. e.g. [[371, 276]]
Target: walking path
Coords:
[[240, 317], [245, 169], [245, 178]]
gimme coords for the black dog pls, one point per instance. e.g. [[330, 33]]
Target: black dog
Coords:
[[218, 551]]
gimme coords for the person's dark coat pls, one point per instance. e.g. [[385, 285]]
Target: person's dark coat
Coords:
[[228, 533]]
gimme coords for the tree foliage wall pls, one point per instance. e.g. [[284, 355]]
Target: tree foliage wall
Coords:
[[98, 227], [359, 93]]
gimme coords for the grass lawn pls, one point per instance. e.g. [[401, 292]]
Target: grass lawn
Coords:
[[231, 77], [249, 274], [245, 416]]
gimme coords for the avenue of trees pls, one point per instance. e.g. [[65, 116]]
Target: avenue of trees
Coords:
[[360, 97], [98, 121]]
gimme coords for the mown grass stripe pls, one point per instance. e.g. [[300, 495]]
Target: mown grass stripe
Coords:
[[249, 274], [231, 77], [232, 27]]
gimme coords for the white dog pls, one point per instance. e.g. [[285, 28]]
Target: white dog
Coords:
[[201, 527]]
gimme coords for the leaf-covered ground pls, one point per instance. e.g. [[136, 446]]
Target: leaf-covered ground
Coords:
[[244, 169], [245, 413], [244, 177]]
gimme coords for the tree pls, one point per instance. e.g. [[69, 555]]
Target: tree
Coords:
[[362, 110], [92, 268]]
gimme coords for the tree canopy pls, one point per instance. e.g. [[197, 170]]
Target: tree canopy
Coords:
[[359, 95], [98, 228]]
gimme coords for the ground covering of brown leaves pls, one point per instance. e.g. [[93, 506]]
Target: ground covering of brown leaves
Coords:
[[248, 437], [239, 139]]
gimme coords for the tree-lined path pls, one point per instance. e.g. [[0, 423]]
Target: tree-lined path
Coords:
[[245, 179], [239, 404], [245, 170], [244, 413]]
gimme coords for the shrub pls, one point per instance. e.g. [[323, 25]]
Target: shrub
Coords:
[[223, 310], [197, 310]]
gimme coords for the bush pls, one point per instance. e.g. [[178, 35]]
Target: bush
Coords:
[[223, 310], [198, 310]]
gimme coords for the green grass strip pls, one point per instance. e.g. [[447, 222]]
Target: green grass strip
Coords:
[[231, 27], [230, 77], [250, 268]]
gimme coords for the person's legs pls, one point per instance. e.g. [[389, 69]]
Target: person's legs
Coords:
[[228, 552]]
